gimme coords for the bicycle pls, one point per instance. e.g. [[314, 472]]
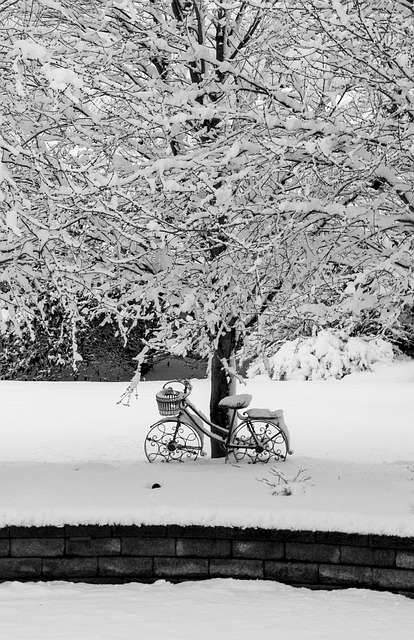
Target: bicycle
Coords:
[[259, 435]]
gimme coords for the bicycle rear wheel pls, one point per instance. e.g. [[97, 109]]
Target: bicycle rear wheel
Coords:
[[172, 439], [257, 440]]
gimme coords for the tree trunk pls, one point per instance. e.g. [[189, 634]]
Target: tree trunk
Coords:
[[221, 385]]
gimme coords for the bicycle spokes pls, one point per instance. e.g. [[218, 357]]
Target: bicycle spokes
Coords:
[[257, 441], [172, 440]]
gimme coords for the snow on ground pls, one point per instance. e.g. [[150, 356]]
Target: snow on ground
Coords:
[[70, 454], [219, 609]]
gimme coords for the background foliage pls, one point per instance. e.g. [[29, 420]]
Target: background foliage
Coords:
[[206, 170]]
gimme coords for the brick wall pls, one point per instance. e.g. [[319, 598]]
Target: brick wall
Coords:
[[147, 553]]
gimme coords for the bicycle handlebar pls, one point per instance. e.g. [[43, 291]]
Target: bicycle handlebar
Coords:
[[188, 387]]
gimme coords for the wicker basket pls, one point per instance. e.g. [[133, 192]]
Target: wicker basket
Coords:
[[169, 402]]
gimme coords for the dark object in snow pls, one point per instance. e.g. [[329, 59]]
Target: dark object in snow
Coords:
[[156, 486]]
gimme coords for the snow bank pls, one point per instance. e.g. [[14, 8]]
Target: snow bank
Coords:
[[71, 455]]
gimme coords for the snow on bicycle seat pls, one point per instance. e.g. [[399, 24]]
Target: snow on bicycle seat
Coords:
[[240, 401], [264, 413]]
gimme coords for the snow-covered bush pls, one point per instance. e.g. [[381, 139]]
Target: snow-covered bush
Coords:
[[325, 355]]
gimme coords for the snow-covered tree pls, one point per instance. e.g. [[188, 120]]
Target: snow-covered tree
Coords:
[[218, 166]]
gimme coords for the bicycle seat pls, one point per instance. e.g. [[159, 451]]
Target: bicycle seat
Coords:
[[236, 402]]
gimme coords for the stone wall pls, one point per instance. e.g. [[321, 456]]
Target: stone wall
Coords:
[[117, 553]]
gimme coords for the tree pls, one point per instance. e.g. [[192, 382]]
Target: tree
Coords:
[[364, 56], [217, 167]]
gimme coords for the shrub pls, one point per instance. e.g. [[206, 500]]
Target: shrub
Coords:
[[323, 356]]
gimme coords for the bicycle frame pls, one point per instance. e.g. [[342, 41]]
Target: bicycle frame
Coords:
[[187, 404], [253, 437]]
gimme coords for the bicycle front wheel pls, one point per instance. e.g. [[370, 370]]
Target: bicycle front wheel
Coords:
[[172, 439], [257, 440]]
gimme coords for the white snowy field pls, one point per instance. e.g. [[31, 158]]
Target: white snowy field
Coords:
[[69, 454], [215, 609]]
